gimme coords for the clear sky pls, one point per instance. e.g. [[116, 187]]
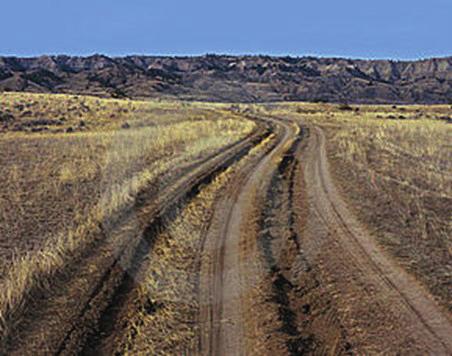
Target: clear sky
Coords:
[[400, 29]]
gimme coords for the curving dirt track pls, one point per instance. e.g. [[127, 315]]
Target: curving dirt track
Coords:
[[376, 304], [283, 267], [86, 291], [231, 269], [385, 309]]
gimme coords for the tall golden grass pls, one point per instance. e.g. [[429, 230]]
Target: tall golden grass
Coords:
[[60, 188]]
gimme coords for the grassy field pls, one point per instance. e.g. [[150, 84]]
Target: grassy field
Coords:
[[73, 166], [394, 165], [65, 178]]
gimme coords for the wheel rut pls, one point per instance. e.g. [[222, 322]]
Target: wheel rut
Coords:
[[111, 321], [380, 301], [80, 323], [228, 263], [280, 265], [252, 300]]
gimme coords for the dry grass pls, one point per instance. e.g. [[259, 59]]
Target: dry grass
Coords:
[[166, 297], [57, 113], [60, 188], [405, 170], [394, 166], [67, 176]]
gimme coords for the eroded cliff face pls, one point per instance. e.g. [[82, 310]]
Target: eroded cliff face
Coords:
[[234, 79]]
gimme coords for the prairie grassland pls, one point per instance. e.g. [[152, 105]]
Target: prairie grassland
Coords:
[[394, 165], [24, 112], [59, 188]]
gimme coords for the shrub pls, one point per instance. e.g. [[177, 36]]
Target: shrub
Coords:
[[345, 107]]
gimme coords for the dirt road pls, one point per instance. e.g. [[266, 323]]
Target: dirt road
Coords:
[[231, 268], [381, 308], [385, 309], [85, 293], [281, 267]]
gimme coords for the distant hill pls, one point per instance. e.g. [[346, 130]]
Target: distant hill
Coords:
[[234, 79]]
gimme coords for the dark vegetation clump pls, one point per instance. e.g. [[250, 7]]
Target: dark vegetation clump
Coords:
[[27, 113], [234, 108], [345, 107], [118, 94], [320, 100], [4, 75], [42, 122], [448, 119], [43, 77], [6, 117], [39, 129]]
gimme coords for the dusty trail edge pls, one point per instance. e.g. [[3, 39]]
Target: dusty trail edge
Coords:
[[68, 332], [223, 278], [426, 321]]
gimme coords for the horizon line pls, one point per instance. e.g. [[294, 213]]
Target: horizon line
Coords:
[[226, 54]]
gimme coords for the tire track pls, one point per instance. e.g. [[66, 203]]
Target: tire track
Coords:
[[109, 321], [230, 267], [120, 250], [307, 317], [403, 313], [276, 249]]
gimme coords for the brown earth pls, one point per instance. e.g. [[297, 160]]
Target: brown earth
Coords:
[[380, 300], [252, 294]]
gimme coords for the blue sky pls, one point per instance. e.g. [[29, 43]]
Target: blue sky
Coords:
[[399, 29]]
